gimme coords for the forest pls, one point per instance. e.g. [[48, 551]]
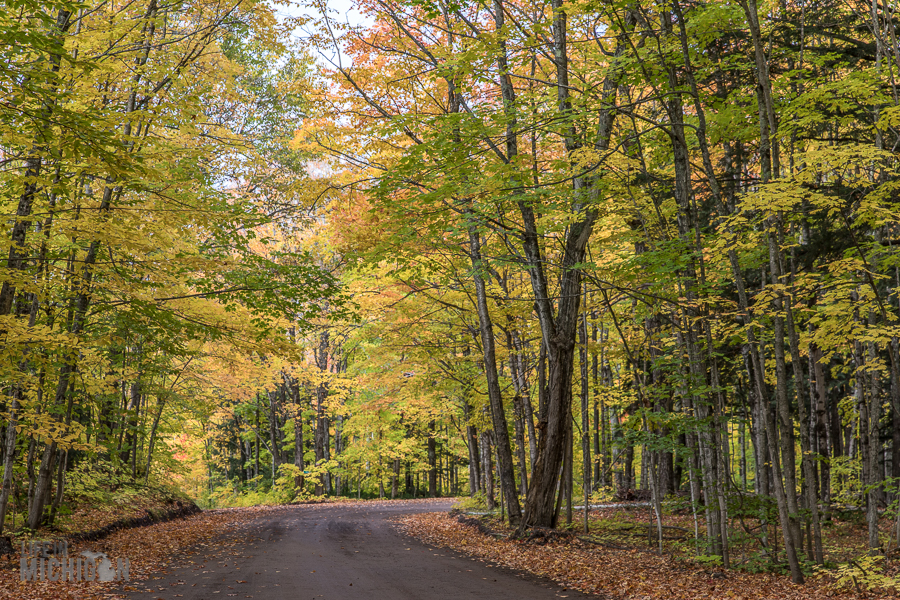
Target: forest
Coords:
[[543, 255]]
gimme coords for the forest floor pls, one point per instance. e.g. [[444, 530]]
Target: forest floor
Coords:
[[390, 550], [617, 560], [92, 514], [147, 548]]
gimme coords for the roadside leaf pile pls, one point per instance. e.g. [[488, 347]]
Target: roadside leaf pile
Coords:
[[150, 549], [627, 574]]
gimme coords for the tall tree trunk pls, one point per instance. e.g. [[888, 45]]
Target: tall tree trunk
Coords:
[[161, 404], [9, 442], [495, 398], [520, 407], [599, 424], [821, 407], [487, 470], [585, 418], [432, 461], [62, 462], [472, 444], [559, 331], [321, 431], [17, 259], [395, 478], [273, 431], [79, 315], [299, 447], [9, 455]]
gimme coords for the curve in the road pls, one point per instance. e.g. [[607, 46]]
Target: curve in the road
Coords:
[[336, 552]]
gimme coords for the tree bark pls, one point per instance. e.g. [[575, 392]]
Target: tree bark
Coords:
[[495, 399]]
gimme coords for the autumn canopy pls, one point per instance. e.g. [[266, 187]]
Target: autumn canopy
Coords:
[[543, 254]]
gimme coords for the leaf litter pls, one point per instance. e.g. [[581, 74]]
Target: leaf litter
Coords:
[[151, 550], [623, 573]]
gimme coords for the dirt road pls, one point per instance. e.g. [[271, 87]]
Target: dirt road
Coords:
[[335, 552]]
